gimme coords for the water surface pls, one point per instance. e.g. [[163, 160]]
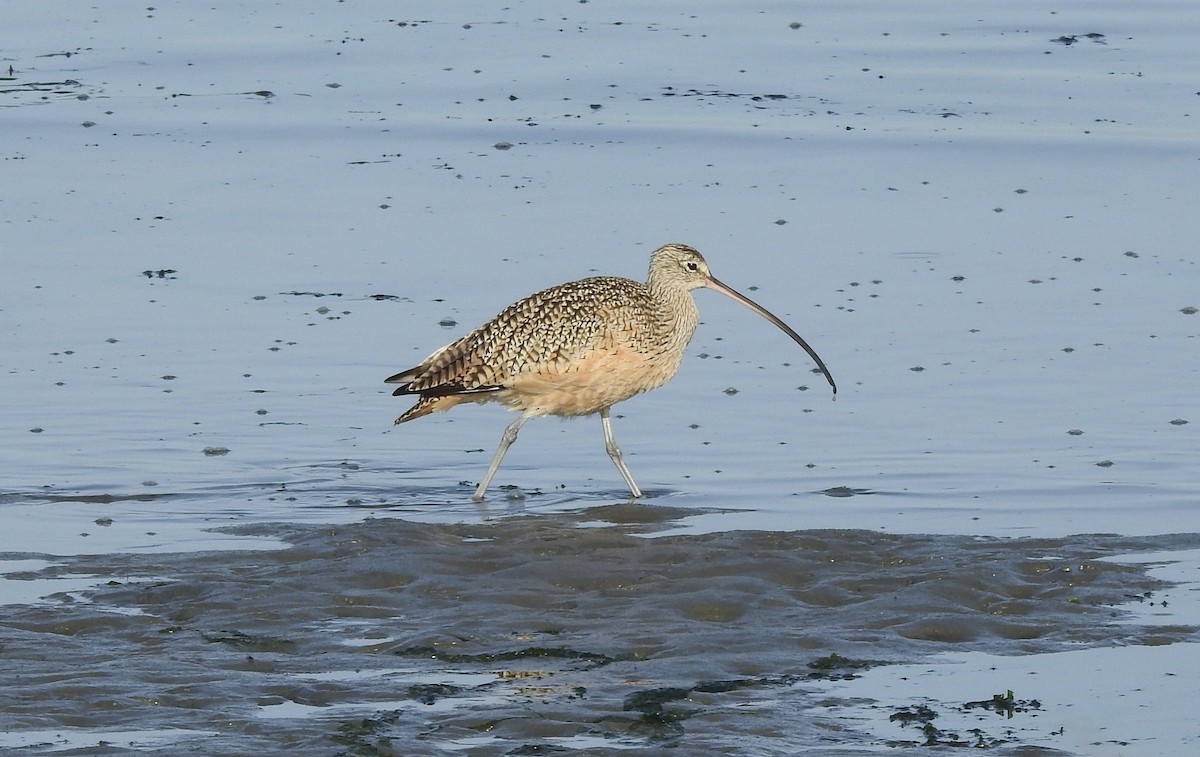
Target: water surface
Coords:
[[227, 224]]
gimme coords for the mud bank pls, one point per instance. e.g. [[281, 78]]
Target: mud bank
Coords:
[[541, 635]]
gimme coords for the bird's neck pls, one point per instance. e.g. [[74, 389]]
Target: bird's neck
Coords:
[[677, 312]]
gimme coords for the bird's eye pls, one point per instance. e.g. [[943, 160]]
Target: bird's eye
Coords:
[[693, 265]]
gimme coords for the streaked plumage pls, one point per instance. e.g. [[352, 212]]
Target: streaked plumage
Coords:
[[575, 349]]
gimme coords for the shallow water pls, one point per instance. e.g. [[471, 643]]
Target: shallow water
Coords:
[[227, 224]]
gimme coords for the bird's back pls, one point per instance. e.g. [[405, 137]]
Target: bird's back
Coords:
[[571, 349]]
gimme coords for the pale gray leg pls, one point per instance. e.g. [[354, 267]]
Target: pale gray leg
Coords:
[[610, 444], [509, 436]]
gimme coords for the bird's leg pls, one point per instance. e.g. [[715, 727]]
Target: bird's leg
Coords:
[[506, 440], [610, 444]]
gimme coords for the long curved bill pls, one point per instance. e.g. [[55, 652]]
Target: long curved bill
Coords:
[[717, 286]]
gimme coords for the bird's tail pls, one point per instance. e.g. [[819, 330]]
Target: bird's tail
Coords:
[[424, 406], [427, 405]]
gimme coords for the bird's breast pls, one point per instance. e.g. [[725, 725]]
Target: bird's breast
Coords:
[[612, 371]]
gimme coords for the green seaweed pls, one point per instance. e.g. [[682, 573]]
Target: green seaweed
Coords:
[[1004, 704], [652, 700], [363, 737], [921, 717], [249, 643], [835, 667]]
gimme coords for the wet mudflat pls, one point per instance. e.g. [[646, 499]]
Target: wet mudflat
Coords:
[[548, 634]]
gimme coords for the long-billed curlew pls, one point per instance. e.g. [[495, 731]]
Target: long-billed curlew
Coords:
[[576, 349]]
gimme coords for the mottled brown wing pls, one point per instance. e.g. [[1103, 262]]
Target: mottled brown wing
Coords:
[[543, 332]]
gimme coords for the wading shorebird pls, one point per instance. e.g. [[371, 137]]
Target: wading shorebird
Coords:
[[576, 349]]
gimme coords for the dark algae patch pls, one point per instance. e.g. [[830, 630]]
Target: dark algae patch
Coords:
[[248, 642], [554, 634], [1005, 704], [658, 721], [365, 737], [922, 718], [835, 666], [589, 659]]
